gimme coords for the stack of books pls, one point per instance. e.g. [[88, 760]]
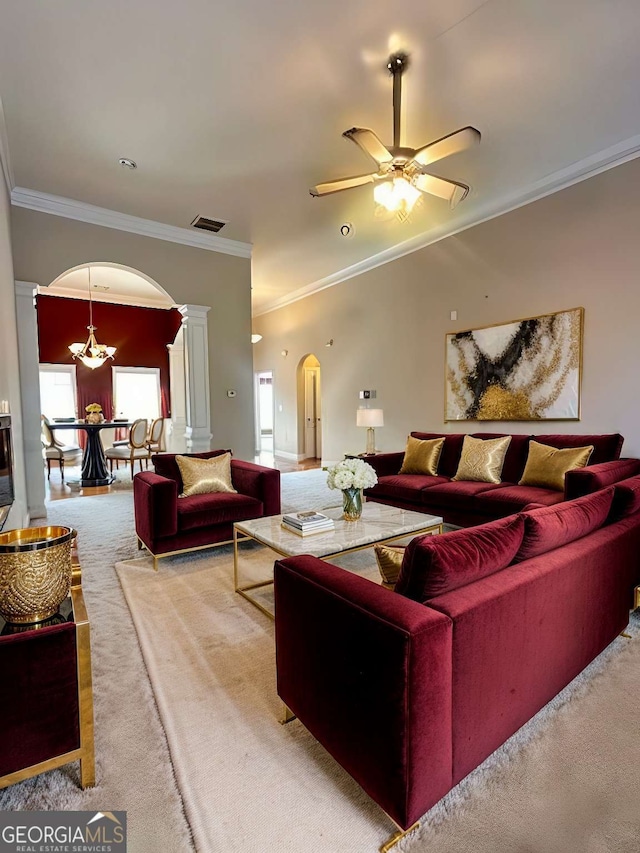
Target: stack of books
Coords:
[[306, 523]]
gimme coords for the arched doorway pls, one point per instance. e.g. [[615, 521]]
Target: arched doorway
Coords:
[[309, 408]]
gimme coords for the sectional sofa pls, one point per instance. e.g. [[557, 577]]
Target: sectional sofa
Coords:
[[467, 503], [410, 690]]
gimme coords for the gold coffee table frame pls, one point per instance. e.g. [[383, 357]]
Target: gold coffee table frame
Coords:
[[380, 530]]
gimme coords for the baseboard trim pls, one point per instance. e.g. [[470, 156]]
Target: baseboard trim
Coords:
[[294, 457]]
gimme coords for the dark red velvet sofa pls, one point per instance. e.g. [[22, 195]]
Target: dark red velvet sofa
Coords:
[[410, 690], [166, 524], [466, 503]]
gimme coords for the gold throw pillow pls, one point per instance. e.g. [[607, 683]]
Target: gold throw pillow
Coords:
[[389, 558], [482, 459], [205, 476], [422, 456], [546, 466]]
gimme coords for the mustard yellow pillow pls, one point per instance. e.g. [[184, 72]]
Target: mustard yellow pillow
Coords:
[[546, 466], [422, 456], [205, 476], [482, 459], [389, 559]]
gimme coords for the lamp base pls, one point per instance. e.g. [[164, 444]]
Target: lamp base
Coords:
[[371, 441]]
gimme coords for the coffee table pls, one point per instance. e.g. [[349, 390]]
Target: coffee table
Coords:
[[379, 524]]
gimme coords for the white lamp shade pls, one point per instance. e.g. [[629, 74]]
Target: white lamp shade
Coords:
[[369, 418]]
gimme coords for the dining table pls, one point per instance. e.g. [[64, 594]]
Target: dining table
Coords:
[[94, 464]]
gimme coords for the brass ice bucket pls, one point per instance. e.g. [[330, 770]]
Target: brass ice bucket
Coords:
[[35, 572]]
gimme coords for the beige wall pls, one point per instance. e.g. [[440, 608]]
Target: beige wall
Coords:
[[9, 375], [44, 246], [579, 247]]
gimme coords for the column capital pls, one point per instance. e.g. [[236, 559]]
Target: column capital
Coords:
[[193, 312], [26, 288]]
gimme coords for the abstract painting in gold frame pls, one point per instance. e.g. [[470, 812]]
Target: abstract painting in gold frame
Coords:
[[526, 370]]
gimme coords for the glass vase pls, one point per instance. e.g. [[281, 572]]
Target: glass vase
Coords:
[[351, 504]]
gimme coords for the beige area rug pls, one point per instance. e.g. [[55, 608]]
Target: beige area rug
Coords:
[[568, 781]]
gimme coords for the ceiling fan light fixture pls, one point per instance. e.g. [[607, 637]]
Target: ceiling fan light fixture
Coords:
[[397, 195]]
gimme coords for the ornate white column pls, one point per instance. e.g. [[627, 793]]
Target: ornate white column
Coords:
[[196, 365], [28, 360], [177, 437]]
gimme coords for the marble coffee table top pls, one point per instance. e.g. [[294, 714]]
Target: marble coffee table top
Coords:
[[379, 523]]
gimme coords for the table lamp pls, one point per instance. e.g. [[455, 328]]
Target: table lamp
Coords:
[[370, 418]]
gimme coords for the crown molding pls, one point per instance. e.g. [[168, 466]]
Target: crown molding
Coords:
[[589, 167], [5, 161], [80, 211]]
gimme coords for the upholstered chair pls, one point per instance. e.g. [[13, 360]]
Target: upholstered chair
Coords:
[[53, 449], [135, 449], [155, 438]]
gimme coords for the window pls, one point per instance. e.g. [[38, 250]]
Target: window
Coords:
[[58, 390], [136, 392]]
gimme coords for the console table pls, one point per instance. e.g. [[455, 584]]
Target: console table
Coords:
[[94, 464]]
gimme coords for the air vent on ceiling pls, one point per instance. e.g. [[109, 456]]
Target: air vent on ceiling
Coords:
[[208, 224]]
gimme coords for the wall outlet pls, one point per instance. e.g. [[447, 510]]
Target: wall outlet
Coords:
[[453, 315]]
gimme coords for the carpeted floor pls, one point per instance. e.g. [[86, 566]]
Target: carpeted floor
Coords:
[[569, 781]]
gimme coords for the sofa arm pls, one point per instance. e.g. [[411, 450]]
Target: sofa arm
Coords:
[[385, 464], [258, 482], [584, 481], [368, 672], [155, 503]]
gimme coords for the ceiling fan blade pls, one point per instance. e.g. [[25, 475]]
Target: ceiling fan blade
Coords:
[[443, 188], [459, 140], [370, 144], [342, 184]]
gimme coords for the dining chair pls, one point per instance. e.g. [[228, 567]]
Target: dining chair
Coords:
[[54, 449], [155, 438], [136, 447]]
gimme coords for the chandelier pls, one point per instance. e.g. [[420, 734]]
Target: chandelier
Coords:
[[91, 353]]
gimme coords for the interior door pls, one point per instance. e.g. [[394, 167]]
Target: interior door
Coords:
[[310, 412]]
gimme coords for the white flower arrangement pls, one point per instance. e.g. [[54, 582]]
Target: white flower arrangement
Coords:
[[351, 474]]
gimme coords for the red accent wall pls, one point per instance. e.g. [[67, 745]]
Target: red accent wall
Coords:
[[141, 336]]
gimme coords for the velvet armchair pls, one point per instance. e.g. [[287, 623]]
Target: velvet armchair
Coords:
[[167, 524]]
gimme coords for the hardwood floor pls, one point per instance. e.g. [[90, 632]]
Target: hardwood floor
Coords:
[[56, 489]]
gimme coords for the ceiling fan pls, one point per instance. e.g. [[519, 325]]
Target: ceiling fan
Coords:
[[401, 176]]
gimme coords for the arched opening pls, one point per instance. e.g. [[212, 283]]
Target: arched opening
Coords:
[[309, 408], [134, 314]]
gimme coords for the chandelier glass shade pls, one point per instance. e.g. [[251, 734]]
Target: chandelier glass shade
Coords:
[[397, 195], [92, 354]]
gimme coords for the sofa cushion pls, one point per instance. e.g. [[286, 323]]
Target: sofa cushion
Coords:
[[205, 476], [422, 456], [450, 456], [434, 565], [516, 457], [456, 494], [404, 487], [554, 526], [389, 559], [481, 460], [166, 466], [216, 508], [606, 448], [626, 499], [507, 499], [546, 465]]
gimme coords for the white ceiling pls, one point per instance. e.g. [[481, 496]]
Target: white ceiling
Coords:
[[234, 110]]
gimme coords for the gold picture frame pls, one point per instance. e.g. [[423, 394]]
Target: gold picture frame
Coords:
[[523, 370]]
